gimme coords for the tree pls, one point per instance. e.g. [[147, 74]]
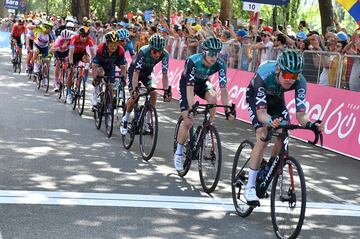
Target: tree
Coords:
[[80, 9], [122, 9], [225, 10], [326, 13], [112, 10]]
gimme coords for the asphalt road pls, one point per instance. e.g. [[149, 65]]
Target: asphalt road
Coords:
[[62, 178]]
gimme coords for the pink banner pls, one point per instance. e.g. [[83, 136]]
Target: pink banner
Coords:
[[339, 109]]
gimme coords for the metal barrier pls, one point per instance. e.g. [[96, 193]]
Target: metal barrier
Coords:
[[350, 69]]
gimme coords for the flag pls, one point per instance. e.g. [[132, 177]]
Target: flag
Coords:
[[353, 7]]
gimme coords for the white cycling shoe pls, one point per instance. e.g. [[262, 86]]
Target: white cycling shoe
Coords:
[[178, 162], [250, 195]]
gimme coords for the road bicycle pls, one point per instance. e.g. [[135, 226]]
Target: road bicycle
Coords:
[[106, 105], [78, 89], [283, 174], [16, 57], [143, 122], [62, 78], [42, 77], [120, 97], [203, 145]]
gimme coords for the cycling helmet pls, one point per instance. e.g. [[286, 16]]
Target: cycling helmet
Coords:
[[66, 34], [342, 36], [123, 34], [84, 30], [48, 25], [157, 42], [291, 61], [21, 21], [69, 19], [111, 36], [212, 44], [36, 22], [70, 24]]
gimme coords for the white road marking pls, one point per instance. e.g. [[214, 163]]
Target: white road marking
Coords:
[[154, 201]]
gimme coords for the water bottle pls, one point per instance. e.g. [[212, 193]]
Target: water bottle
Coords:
[[264, 169]]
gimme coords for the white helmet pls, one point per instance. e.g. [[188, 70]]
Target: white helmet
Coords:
[[66, 34], [70, 24], [69, 19], [36, 22]]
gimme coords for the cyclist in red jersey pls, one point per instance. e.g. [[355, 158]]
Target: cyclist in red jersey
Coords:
[[17, 30], [77, 53]]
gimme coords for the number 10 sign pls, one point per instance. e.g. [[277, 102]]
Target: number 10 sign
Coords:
[[251, 6]]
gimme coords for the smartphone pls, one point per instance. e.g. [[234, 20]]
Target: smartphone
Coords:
[[227, 23]]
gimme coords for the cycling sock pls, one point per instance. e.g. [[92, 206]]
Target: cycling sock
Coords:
[[126, 117], [179, 149], [252, 178]]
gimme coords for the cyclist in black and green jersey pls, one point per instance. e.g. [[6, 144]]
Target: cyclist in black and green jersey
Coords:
[[265, 96], [140, 70], [195, 81]]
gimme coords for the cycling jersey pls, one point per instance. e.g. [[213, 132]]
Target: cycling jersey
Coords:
[[144, 64], [264, 92], [17, 30], [196, 72], [80, 46], [129, 47], [61, 44], [107, 61]]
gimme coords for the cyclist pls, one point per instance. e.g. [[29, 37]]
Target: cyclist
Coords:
[[265, 96], [61, 50], [29, 41], [17, 30], [108, 55], [195, 81], [125, 42], [43, 37], [140, 70], [77, 53]]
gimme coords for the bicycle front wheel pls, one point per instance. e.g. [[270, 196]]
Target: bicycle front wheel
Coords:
[[109, 113], [81, 96], [19, 63], [288, 200], [128, 139], [45, 79], [239, 178], [98, 113], [210, 159], [148, 132]]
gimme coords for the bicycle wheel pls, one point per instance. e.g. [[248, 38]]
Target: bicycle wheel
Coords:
[[239, 178], [19, 62], [38, 79], [148, 132], [109, 113], [81, 95], [288, 200], [210, 160], [98, 112], [46, 79], [128, 139], [186, 150]]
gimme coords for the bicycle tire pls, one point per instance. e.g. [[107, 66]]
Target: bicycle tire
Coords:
[[150, 129], [213, 160], [187, 157], [81, 95], [46, 79], [239, 178], [61, 85], [290, 165], [109, 113], [38, 80], [19, 62], [128, 139]]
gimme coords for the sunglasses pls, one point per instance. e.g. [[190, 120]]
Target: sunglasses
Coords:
[[289, 75], [84, 36], [212, 53], [122, 40], [156, 51]]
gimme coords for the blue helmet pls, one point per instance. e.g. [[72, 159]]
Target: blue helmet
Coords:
[[291, 61], [123, 34]]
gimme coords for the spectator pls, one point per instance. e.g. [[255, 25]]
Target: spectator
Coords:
[[265, 46]]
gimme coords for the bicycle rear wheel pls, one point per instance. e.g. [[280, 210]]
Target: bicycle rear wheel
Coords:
[[19, 62], [81, 95], [186, 150], [62, 87], [148, 132], [128, 139], [239, 178], [109, 113], [46, 79], [39, 77], [288, 200], [210, 159]]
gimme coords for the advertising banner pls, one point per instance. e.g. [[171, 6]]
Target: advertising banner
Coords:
[[15, 4]]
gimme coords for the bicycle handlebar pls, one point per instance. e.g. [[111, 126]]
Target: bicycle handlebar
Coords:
[[271, 130], [208, 107]]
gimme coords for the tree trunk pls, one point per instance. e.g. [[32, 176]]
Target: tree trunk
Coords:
[[80, 9], [122, 9], [112, 10], [169, 10], [274, 16], [47, 7], [225, 10], [3, 11], [74, 7], [326, 13]]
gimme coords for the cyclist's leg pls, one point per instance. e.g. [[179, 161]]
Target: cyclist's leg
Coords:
[[86, 59], [210, 96], [153, 94], [29, 53], [282, 112], [97, 70], [35, 57]]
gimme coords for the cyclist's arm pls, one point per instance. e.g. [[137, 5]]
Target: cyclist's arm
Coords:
[[223, 82], [138, 62], [261, 102], [71, 54], [165, 67], [92, 49], [189, 71], [300, 99], [130, 47], [121, 61]]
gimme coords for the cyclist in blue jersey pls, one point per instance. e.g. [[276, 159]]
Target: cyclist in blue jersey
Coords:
[[140, 70], [265, 96], [125, 42], [195, 81]]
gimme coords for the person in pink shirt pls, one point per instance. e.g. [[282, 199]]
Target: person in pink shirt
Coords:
[[61, 51]]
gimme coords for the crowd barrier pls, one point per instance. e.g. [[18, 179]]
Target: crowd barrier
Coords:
[[5, 39], [338, 108]]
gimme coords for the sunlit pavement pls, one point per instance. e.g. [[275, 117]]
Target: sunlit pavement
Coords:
[[62, 178]]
